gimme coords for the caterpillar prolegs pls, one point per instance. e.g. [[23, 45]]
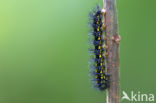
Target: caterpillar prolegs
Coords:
[[98, 49]]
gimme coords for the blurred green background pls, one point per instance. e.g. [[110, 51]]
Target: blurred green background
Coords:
[[44, 55]]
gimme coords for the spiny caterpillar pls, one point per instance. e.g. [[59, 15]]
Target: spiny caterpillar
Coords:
[[98, 61]]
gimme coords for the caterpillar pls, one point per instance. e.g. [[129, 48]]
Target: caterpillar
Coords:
[[99, 75]]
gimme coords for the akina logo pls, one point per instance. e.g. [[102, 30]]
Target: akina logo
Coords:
[[137, 96]]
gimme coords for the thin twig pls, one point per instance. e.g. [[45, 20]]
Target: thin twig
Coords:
[[112, 41]]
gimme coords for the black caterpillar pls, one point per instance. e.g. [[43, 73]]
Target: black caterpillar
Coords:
[[98, 64]]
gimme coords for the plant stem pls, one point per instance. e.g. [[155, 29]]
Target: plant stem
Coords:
[[112, 41]]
